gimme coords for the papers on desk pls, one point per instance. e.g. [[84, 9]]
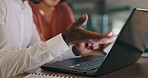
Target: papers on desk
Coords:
[[145, 54], [35, 75]]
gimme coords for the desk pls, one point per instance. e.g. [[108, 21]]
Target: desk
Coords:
[[137, 70]]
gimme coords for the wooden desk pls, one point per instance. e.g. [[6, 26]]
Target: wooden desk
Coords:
[[137, 70]]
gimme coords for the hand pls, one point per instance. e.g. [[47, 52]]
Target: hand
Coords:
[[85, 48], [76, 34]]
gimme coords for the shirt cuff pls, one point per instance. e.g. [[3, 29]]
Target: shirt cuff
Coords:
[[69, 54], [57, 45], [51, 49]]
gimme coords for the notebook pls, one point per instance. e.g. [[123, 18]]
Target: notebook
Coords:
[[35, 75], [132, 41]]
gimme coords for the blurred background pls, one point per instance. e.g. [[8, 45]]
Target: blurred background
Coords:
[[105, 15]]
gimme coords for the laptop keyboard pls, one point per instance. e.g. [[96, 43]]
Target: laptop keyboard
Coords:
[[89, 65]]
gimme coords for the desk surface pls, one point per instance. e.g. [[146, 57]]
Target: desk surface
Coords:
[[137, 70]]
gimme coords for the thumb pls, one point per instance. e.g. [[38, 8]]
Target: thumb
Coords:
[[80, 21]]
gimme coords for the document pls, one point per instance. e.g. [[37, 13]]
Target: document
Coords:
[[145, 54], [35, 75]]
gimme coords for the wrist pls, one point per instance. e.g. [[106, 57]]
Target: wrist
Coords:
[[65, 39], [75, 51]]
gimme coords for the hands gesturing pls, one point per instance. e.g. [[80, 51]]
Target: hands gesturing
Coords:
[[85, 41]]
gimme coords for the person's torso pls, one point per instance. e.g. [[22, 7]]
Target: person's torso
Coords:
[[19, 23], [61, 18]]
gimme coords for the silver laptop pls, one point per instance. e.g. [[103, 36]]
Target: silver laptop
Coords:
[[127, 49]]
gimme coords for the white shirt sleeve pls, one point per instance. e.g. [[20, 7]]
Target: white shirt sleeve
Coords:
[[66, 55], [12, 63]]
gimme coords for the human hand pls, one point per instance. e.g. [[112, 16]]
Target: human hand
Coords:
[[76, 34], [85, 48]]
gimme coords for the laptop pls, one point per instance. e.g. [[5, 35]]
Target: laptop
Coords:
[[132, 41]]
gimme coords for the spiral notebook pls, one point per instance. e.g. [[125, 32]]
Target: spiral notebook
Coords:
[[35, 75]]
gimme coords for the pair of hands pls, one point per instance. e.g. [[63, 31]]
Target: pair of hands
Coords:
[[85, 41]]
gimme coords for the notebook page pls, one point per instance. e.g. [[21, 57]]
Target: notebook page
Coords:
[[34, 75]]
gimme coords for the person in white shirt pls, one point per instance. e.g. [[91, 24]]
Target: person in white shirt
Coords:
[[21, 49]]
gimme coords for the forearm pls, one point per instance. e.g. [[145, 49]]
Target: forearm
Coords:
[[12, 63], [66, 55]]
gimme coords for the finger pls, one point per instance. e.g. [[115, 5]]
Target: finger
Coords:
[[107, 40], [80, 21], [108, 34], [89, 45], [95, 47], [90, 36]]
